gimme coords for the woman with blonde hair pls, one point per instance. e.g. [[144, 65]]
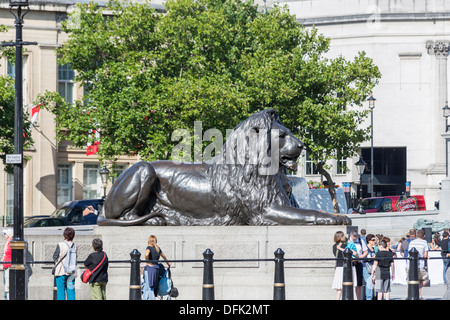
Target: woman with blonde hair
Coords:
[[153, 270]]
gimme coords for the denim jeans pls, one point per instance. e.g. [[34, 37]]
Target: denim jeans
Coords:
[[63, 284], [369, 283], [446, 263]]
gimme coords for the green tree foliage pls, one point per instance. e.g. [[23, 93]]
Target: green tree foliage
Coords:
[[7, 107], [216, 61]]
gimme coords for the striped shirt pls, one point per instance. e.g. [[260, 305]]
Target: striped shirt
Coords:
[[421, 246]]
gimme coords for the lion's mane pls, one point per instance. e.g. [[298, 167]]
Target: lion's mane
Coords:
[[241, 191]]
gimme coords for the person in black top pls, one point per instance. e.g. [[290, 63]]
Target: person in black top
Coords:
[[99, 278], [384, 259], [153, 271], [444, 251]]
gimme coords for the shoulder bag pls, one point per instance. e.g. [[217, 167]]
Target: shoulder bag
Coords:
[[87, 273]]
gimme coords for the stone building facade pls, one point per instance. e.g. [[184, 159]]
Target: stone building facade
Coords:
[[407, 39]]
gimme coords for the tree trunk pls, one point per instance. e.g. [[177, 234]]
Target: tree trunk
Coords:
[[331, 189]]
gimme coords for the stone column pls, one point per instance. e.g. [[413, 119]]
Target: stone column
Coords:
[[440, 50]]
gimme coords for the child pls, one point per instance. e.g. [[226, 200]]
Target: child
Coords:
[[384, 260]]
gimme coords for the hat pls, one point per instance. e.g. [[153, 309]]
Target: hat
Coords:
[[8, 232]]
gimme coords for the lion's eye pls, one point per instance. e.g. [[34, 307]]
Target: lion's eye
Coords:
[[256, 129], [282, 134]]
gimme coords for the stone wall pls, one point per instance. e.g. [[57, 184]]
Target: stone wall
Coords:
[[242, 280]]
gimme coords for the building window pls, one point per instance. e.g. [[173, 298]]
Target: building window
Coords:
[[66, 85], [92, 183], [12, 74], [64, 186], [311, 168], [341, 166]]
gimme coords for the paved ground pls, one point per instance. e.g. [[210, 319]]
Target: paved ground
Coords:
[[435, 292]]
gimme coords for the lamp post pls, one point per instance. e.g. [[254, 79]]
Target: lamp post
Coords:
[[17, 283], [360, 166], [444, 196], [371, 106], [446, 113], [104, 175]]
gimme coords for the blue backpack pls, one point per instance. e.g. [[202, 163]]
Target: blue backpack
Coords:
[[406, 253], [70, 262], [165, 283]]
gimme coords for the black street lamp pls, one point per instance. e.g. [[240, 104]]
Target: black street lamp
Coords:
[[17, 283], [104, 175], [360, 166], [371, 106], [446, 113]]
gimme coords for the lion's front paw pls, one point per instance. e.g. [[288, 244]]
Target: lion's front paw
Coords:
[[333, 219]]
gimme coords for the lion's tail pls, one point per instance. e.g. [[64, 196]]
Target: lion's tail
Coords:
[[116, 222]]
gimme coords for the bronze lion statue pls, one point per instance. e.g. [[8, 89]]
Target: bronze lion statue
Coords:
[[245, 184]]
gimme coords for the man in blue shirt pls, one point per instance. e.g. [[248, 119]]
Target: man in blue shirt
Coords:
[[89, 216]]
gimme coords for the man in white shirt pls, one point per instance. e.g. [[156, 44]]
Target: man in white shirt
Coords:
[[362, 252], [421, 245]]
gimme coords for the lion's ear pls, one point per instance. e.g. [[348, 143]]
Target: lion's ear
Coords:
[[273, 114]]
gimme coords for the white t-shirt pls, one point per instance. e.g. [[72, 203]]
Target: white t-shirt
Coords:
[[360, 246], [421, 246]]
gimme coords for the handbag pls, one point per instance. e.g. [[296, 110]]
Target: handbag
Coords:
[[87, 273], [368, 267]]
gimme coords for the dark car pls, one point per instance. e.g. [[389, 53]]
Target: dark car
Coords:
[[35, 222], [71, 212]]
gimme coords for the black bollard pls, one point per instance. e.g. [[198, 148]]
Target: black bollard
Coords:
[[208, 275], [279, 292], [347, 277], [135, 277], [413, 275]]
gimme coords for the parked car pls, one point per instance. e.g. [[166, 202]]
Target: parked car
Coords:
[[68, 214], [392, 204], [34, 222], [72, 211]]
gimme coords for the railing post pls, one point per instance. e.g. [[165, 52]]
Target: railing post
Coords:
[[135, 277], [208, 275], [279, 291], [413, 275], [347, 277]]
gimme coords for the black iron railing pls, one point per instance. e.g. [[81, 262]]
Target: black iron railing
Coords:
[[279, 292]]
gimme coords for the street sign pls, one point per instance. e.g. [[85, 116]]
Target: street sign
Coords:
[[13, 159]]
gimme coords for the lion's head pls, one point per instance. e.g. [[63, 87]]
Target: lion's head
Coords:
[[250, 168], [261, 140]]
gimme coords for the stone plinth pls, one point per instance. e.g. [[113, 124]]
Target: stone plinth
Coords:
[[242, 280]]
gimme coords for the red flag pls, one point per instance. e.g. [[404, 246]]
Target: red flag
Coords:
[[34, 112], [92, 148]]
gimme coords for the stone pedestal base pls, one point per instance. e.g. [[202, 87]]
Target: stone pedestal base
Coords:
[[242, 280]]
